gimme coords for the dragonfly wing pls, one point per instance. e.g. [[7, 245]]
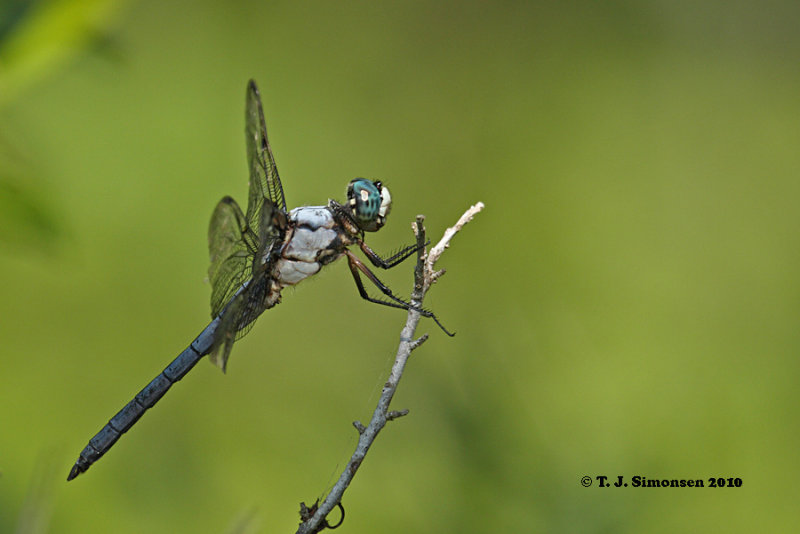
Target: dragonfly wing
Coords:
[[272, 227], [226, 331], [271, 231], [264, 180], [238, 318], [231, 246], [241, 264], [242, 246]]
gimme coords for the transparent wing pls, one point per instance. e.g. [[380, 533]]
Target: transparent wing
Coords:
[[231, 247], [241, 263], [237, 319], [242, 246], [264, 180]]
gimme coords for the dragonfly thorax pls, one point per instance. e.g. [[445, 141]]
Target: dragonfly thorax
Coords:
[[314, 239]]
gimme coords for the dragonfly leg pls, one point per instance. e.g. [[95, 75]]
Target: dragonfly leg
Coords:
[[395, 259], [357, 265]]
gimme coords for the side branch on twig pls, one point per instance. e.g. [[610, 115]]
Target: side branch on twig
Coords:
[[424, 276]]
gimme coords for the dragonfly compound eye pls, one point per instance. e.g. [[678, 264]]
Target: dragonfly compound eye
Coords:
[[370, 203]]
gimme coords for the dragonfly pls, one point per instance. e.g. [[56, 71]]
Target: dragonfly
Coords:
[[255, 255]]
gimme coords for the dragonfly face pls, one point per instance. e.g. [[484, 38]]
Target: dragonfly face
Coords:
[[257, 253], [370, 203]]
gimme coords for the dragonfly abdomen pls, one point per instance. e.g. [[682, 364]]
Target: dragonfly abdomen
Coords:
[[144, 400]]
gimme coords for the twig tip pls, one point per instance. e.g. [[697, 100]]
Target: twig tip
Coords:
[[360, 427], [417, 342], [394, 414]]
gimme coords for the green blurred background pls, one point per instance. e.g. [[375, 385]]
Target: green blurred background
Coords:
[[627, 303]]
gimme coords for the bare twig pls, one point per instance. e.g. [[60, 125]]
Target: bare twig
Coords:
[[424, 276], [444, 242]]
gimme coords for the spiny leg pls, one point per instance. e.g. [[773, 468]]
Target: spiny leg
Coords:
[[395, 259], [357, 265]]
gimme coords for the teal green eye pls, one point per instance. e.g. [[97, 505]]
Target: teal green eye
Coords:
[[370, 203]]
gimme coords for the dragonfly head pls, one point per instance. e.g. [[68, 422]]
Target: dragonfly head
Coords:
[[369, 202]]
